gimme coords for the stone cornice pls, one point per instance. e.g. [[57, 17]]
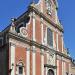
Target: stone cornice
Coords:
[[50, 66], [33, 43]]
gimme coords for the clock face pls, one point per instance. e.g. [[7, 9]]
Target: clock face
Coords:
[[23, 31], [48, 6]]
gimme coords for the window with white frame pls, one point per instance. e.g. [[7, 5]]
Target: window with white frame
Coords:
[[49, 37], [48, 6]]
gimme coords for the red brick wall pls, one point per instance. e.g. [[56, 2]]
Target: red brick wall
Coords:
[[45, 58], [52, 16], [38, 30], [31, 62], [20, 54], [29, 29], [60, 67], [67, 66], [59, 43], [38, 62]]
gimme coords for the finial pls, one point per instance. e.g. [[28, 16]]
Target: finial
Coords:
[[13, 20]]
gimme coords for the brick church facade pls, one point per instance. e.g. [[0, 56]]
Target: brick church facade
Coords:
[[33, 43]]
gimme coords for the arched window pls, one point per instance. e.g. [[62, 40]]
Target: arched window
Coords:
[[50, 72], [20, 69]]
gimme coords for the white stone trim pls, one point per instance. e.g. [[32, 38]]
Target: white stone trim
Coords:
[[46, 70], [41, 6], [34, 26], [59, 57], [54, 46], [17, 43], [33, 61], [28, 61], [45, 39], [57, 67], [42, 37], [12, 58], [42, 62]]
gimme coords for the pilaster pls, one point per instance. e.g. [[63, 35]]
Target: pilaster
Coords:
[[28, 61], [42, 62], [12, 58], [33, 37], [33, 60]]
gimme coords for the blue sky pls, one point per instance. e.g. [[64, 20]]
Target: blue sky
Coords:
[[66, 12]]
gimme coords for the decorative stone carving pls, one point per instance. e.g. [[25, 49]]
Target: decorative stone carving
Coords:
[[51, 58], [23, 32], [48, 6]]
